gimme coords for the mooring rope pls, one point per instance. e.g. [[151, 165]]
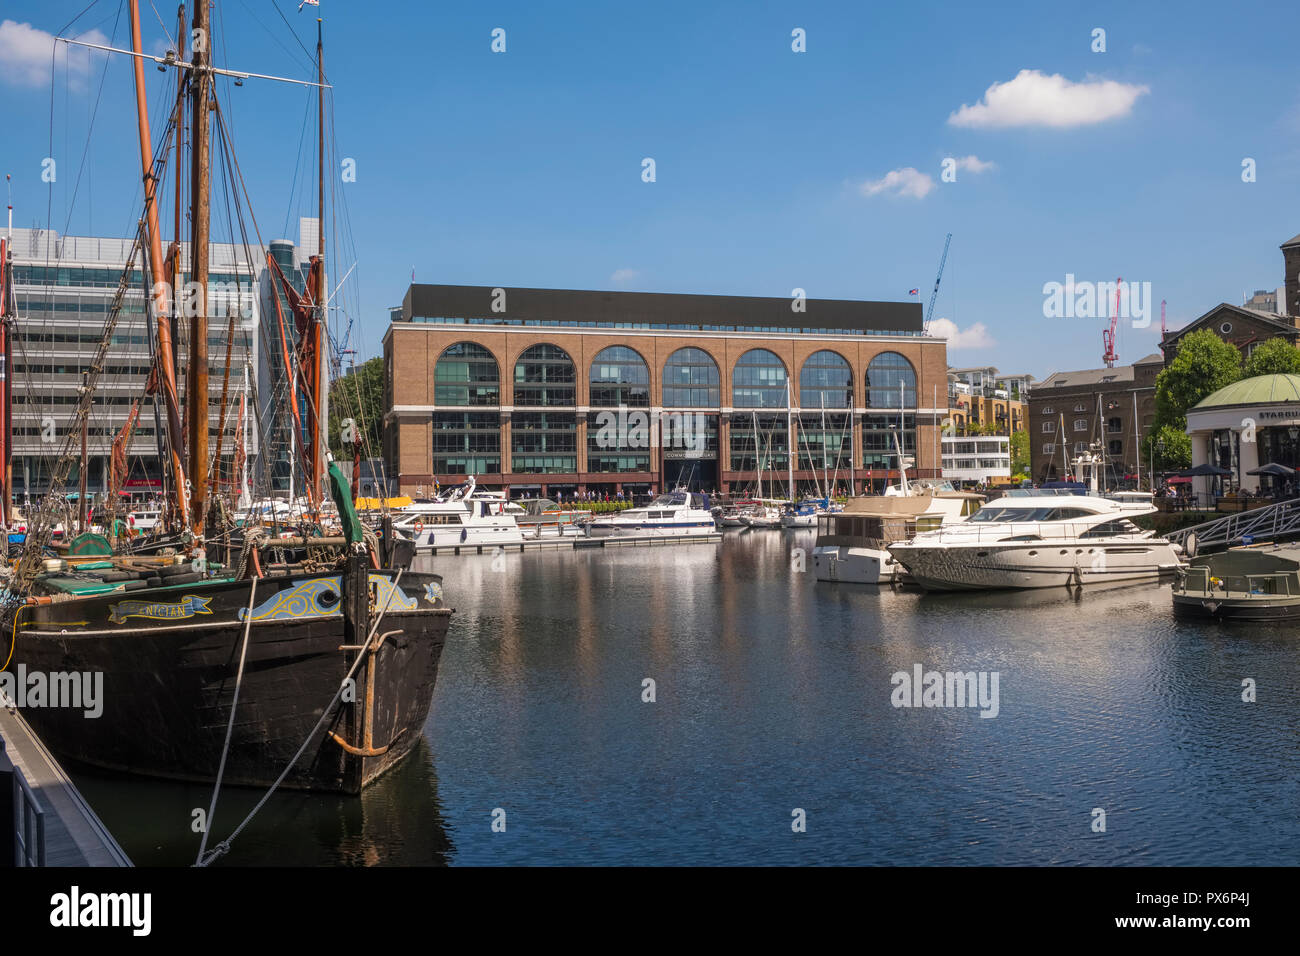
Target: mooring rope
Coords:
[[230, 724], [224, 846]]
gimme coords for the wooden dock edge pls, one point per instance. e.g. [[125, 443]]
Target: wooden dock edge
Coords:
[[74, 834]]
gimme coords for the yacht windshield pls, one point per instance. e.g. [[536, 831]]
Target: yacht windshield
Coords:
[[672, 498], [988, 513]]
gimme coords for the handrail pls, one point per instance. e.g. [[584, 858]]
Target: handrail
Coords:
[[1265, 523], [29, 824]]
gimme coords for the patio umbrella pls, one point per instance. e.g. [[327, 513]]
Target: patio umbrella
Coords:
[[1274, 469], [1203, 471]]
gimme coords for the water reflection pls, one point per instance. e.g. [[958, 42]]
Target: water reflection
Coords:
[[773, 691]]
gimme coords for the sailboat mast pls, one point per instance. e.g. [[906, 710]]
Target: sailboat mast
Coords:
[[316, 457], [196, 394], [166, 356], [789, 445], [825, 466]]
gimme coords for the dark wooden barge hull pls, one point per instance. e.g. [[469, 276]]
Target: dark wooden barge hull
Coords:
[[170, 655]]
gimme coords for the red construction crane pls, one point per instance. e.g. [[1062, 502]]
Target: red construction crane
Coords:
[[1108, 353]]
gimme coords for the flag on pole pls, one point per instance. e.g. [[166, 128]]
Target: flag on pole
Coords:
[[913, 291], [314, 3]]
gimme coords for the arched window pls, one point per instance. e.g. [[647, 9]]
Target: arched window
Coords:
[[619, 376], [758, 381], [545, 377], [466, 375], [825, 381], [886, 372], [691, 380]]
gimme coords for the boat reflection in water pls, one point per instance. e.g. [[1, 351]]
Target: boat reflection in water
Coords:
[[397, 821]]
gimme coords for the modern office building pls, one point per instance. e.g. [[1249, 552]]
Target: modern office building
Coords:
[[552, 392], [65, 286], [272, 396]]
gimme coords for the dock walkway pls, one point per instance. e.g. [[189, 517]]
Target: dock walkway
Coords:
[[53, 823], [576, 542]]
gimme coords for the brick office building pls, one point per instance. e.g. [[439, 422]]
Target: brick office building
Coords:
[[519, 387]]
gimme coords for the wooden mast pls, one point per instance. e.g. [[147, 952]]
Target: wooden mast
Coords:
[[316, 456], [161, 306], [196, 393]]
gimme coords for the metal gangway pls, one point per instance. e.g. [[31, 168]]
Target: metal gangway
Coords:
[[1269, 523]]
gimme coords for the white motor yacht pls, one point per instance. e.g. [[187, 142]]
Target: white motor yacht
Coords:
[[674, 514], [465, 517], [1036, 539]]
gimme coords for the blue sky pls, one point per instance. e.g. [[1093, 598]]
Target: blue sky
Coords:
[[524, 168]]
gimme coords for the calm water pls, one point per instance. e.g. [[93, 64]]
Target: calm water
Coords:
[[773, 693]]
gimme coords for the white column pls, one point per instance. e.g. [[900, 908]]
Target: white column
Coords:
[[1200, 456], [1249, 462]]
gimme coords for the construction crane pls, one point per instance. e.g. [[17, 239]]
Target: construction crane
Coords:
[[929, 313], [1108, 353]]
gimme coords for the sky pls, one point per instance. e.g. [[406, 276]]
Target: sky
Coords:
[[1171, 157]]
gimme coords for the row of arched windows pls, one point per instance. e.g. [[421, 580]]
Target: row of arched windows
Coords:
[[546, 377]]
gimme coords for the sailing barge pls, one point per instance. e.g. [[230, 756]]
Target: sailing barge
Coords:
[[171, 659], [228, 654]]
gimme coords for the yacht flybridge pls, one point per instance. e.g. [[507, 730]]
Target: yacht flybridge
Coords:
[[1042, 538]]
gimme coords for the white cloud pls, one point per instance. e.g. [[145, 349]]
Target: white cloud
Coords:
[[975, 337], [900, 182], [624, 275], [974, 164], [1035, 99], [25, 55]]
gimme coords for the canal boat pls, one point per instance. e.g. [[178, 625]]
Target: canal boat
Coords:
[[852, 545], [1242, 584], [677, 513]]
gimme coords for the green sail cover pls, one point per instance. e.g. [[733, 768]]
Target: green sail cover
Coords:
[[89, 544], [341, 491]]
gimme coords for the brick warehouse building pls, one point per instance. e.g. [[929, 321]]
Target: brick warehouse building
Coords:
[[519, 388]]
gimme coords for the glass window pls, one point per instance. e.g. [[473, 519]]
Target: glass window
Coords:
[[544, 443], [758, 381], [619, 376], [891, 382], [466, 374], [826, 381], [466, 443], [545, 377], [691, 380]]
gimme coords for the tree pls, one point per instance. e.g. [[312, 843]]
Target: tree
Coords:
[[1020, 451], [1274, 357], [358, 395], [1204, 364], [1172, 449]]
